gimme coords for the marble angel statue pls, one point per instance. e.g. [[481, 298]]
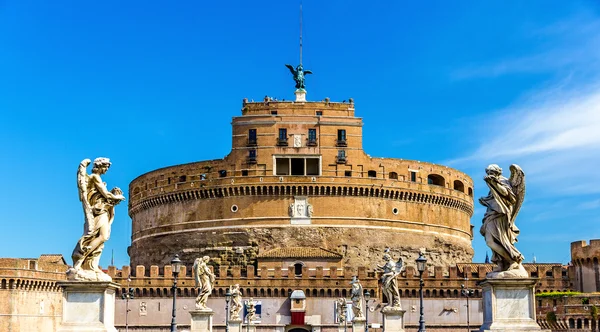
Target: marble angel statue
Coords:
[[389, 283], [99, 211], [341, 311], [503, 204], [250, 311], [204, 280], [356, 295], [236, 302]]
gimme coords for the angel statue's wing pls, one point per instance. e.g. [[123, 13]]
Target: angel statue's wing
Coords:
[[306, 72], [82, 186], [292, 70], [399, 266], [517, 181]]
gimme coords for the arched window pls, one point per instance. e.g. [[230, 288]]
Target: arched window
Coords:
[[571, 323], [393, 175], [470, 191], [372, 174], [458, 185], [298, 269], [436, 180]]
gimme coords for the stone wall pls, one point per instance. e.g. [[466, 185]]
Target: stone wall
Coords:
[[587, 270], [30, 300]]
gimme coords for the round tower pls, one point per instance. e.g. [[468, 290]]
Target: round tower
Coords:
[[297, 176]]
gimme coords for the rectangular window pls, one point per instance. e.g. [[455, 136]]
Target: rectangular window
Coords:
[[222, 173], [282, 166], [251, 136], [413, 176], [319, 113], [298, 166], [312, 134], [252, 154], [273, 112], [283, 134], [245, 172], [341, 153], [347, 173], [312, 166], [341, 138]]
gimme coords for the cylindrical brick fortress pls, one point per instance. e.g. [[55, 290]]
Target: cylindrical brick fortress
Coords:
[[297, 176]]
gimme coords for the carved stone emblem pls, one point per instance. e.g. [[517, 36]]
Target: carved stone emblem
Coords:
[[297, 141], [300, 211]]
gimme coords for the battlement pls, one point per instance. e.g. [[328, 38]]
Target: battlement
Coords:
[[326, 108], [581, 251], [323, 281]]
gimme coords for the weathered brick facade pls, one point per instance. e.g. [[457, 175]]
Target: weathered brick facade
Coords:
[[236, 207]]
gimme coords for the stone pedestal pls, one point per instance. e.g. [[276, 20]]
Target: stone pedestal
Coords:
[[359, 324], [393, 319], [343, 328], [88, 306], [202, 320], [509, 305], [300, 95], [235, 325], [251, 328]]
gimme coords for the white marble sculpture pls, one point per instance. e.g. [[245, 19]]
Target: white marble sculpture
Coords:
[[204, 280], [236, 302], [499, 229], [250, 311], [389, 283], [99, 212], [341, 311], [356, 295]]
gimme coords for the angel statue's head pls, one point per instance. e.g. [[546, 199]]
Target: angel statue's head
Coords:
[[387, 257], [493, 169], [101, 165]]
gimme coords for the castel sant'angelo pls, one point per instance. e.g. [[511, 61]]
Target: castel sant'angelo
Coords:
[[297, 176]]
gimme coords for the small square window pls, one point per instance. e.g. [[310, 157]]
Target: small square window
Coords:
[[282, 134], [413, 176], [319, 113], [347, 173], [245, 172], [273, 112], [222, 173], [252, 153]]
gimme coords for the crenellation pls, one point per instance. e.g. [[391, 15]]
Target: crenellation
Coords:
[[154, 271], [140, 271]]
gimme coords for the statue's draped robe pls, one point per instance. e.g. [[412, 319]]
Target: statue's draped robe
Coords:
[[498, 220], [99, 213], [389, 283], [356, 298], [204, 279]]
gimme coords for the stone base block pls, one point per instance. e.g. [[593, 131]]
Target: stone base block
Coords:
[[202, 320], [251, 328], [359, 324], [393, 319], [300, 95], [235, 325], [88, 306], [509, 305]]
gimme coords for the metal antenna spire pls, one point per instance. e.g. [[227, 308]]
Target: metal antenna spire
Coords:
[[300, 31]]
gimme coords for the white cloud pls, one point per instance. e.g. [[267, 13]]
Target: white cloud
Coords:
[[554, 132]]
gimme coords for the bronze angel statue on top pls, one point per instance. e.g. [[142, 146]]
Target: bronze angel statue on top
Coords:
[[299, 73], [99, 212], [503, 204]]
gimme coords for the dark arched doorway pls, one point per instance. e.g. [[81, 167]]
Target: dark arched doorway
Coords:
[[298, 329]]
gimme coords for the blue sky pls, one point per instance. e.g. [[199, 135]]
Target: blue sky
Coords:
[[151, 84]]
